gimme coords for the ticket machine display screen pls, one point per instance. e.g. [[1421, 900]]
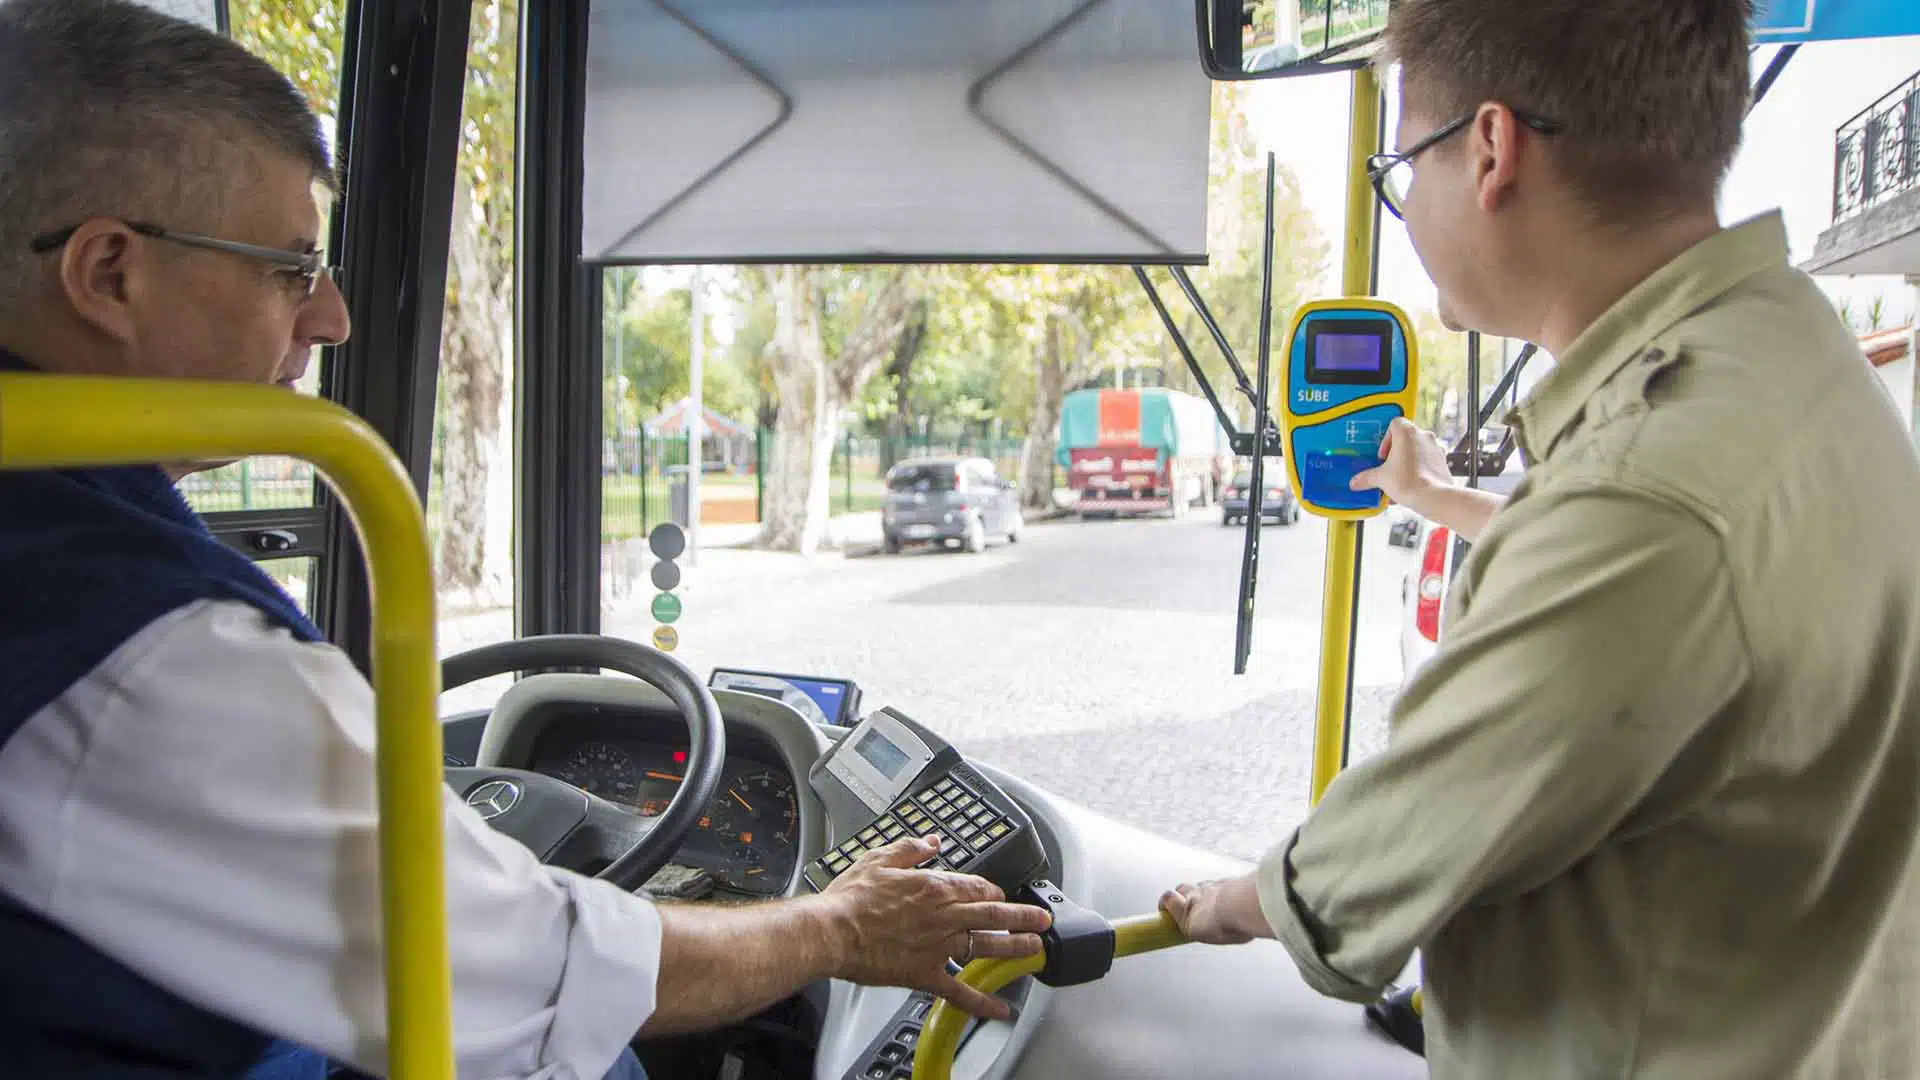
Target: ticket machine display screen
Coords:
[[1349, 352]]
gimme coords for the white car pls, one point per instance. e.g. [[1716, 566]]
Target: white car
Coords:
[[1423, 592]]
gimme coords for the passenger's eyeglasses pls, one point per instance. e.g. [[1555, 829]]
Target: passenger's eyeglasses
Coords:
[[306, 266], [1393, 173]]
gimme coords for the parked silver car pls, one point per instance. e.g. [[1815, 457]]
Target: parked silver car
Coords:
[[938, 500]]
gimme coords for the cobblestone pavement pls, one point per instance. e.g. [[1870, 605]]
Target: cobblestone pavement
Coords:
[[1094, 658]]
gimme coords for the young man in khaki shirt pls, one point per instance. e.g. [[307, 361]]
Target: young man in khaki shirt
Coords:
[[1653, 809]]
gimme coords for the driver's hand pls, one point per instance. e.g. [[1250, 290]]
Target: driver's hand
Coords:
[[901, 925], [1413, 464]]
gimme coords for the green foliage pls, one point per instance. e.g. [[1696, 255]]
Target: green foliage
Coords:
[[302, 38], [1230, 283], [647, 346], [1443, 367]]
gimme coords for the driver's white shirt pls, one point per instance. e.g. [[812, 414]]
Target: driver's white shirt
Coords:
[[201, 807]]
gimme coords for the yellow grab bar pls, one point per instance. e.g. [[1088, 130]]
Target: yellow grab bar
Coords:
[[58, 421], [940, 1040]]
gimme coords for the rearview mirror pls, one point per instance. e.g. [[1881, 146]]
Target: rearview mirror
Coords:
[[211, 14], [1275, 39]]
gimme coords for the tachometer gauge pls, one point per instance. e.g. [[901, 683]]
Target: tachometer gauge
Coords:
[[756, 827], [605, 770]]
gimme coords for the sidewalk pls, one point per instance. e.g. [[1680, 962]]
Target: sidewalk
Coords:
[[847, 530]]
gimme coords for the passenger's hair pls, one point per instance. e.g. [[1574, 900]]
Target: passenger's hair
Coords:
[[1652, 93], [110, 108]]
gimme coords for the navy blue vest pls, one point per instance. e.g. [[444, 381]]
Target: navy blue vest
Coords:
[[87, 559]]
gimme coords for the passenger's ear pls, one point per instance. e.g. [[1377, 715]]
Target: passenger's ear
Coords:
[[101, 276], [1494, 142]]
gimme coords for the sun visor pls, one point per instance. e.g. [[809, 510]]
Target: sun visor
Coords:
[[869, 130]]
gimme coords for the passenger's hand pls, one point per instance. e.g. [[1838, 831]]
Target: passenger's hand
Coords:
[[1217, 912], [1413, 464], [899, 925]]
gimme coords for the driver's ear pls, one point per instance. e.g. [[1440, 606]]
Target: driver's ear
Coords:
[[1494, 143], [100, 276]]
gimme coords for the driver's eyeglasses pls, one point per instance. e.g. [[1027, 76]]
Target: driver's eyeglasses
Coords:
[[305, 267], [1392, 174]]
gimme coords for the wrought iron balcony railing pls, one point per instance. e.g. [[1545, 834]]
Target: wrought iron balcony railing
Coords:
[[1876, 155]]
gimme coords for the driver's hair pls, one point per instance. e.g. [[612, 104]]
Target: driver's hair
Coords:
[[108, 108], [1652, 94]]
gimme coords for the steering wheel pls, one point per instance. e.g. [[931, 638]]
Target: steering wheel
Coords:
[[569, 827]]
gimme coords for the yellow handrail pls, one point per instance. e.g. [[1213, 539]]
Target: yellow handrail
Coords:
[[1343, 537], [940, 1040], [52, 421]]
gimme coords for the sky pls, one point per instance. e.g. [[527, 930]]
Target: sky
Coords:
[[1786, 160]]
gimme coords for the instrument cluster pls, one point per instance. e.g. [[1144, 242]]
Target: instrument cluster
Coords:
[[748, 839]]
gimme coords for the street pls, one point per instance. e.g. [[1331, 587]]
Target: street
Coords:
[[1094, 658]]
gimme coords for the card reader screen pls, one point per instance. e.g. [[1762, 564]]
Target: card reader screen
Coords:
[[880, 753], [1349, 352]]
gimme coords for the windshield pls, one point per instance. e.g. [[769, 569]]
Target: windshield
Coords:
[[920, 478], [1060, 605]]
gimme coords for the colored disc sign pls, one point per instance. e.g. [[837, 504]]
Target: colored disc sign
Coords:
[[666, 575], [667, 541], [666, 608], [666, 638]]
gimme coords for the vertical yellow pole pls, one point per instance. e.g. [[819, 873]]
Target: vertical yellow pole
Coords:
[[49, 421], [1343, 537]]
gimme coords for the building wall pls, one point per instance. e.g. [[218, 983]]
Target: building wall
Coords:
[[1897, 376]]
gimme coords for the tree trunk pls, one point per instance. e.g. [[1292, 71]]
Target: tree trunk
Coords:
[[1043, 419], [904, 354], [813, 392], [473, 376], [798, 362]]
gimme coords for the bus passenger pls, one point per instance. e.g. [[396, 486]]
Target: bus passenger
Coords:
[[1653, 809]]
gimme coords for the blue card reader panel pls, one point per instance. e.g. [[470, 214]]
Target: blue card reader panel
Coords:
[[1351, 371], [1328, 455]]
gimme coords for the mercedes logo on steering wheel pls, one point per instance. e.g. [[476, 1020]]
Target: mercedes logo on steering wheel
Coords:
[[493, 798]]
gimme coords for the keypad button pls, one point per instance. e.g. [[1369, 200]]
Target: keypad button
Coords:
[[869, 835], [837, 863], [959, 858], [998, 829], [980, 815], [946, 786], [892, 831], [969, 832]]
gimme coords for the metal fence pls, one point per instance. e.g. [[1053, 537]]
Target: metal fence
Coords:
[[640, 471], [1876, 155], [251, 484], [638, 474]]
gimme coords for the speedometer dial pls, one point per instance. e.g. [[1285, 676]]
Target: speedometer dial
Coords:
[[756, 823], [604, 770]]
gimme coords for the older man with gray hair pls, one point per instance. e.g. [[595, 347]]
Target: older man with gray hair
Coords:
[[187, 808]]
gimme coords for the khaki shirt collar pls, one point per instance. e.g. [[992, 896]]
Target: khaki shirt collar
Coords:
[[1692, 280]]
